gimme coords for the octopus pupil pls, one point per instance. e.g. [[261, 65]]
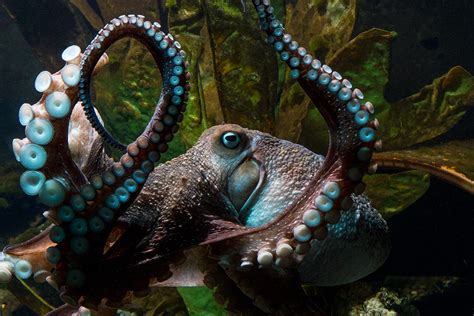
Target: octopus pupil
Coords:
[[230, 140]]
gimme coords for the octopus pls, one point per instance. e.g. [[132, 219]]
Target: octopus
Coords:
[[249, 215]]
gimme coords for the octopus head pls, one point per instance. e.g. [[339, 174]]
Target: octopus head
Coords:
[[261, 175]]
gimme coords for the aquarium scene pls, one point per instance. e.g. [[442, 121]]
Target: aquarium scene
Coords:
[[236, 157]]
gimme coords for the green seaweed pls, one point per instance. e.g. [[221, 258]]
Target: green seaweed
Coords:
[[429, 113], [233, 10], [28, 296], [160, 301], [326, 24], [237, 55], [451, 161], [10, 173], [4, 203], [8, 301], [195, 121], [365, 61], [392, 193], [325, 28], [9, 186], [29, 233], [128, 88], [200, 301]]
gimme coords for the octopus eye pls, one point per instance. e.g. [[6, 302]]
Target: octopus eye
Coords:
[[230, 140]]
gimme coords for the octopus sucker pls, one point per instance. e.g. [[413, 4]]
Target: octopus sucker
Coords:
[[240, 204]]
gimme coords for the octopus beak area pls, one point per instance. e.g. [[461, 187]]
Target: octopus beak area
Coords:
[[246, 183]]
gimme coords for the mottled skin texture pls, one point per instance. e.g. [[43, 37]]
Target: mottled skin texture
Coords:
[[190, 193], [193, 189], [355, 247], [263, 216]]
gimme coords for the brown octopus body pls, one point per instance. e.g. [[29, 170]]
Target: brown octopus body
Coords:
[[267, 214]]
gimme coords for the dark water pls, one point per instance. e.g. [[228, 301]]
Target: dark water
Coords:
[[432, 37], [433, 237]]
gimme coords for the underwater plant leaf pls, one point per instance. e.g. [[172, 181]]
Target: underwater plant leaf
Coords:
[[127, 89], [43, 50], [392, 193], [452, 161], [219, 78], [322, 27], [213, 33], [9, 186], [29, 233], [245, 67], [4, 203], [203, 108], [199, 301], [161, 301], [28, 296], [89, 14], [8, 301], [10, 173], [112, 9], [429, 113], [365, 61]]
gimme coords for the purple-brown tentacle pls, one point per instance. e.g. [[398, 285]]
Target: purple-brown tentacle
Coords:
[[285, 241], [85, 208], [168, 56]]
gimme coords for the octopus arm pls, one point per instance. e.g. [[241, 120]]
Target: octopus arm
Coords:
[[84, 190]]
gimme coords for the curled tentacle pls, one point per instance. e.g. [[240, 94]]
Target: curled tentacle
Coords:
[[285, 241], [168, 56], [49, 153], [90, 250], [86, 208]]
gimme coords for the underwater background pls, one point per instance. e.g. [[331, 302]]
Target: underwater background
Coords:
[[413, 59]]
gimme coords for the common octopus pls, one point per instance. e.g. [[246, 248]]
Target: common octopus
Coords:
[[247, 214]]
